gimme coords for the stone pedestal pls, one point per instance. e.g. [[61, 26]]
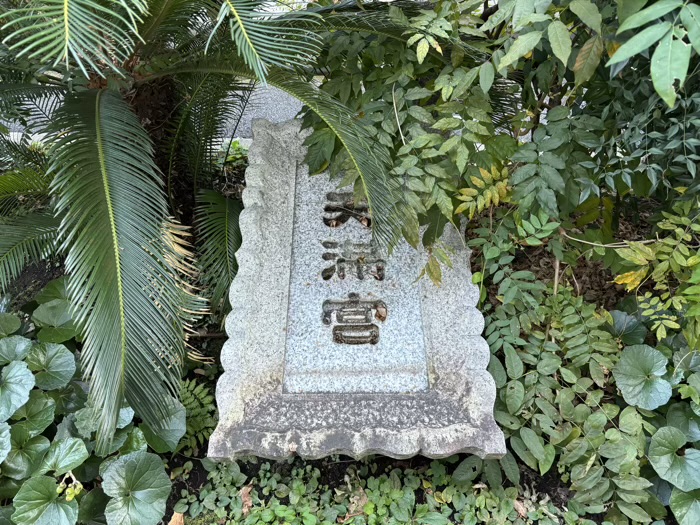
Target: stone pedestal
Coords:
[[335, 347]]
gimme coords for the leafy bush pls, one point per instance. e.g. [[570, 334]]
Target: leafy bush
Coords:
[[50, 467]]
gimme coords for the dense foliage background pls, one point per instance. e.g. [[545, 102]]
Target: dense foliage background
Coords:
[[562, 136]]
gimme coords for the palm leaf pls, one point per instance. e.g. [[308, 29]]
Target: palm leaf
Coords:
[[121, 257], [265, 39], [25, 239], [371, 159], [22, 188], [219, 236], [30, 105], [87, 32]]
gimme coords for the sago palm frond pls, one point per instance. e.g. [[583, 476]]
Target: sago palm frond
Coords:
[[25, 239], [171, 22], [22, 187], [91, 33], [264, 38], [371, 159], [31, 105], [219, 236], [123, 281]]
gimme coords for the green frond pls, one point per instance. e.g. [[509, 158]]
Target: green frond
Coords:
[[23, 188], [25, 239], [121, 257], [175, 21], [371, 159], [264, 39], [30, 105], [219, 237], [90, 33]]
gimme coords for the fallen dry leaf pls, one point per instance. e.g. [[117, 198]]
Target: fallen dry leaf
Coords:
[[177, 519], [246, 499], [520, 508]]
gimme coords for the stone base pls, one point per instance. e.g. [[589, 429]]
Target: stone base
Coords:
[[399, 425]]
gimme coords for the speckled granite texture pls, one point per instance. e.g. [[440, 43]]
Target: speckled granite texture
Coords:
[[334, 347]]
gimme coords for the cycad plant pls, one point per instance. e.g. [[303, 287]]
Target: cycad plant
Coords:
[[129, 99]]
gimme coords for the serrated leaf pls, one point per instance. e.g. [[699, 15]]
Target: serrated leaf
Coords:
[[669, 62], [588, 12], [14, 348], [16, 381], [64, 455], [638, 375], [560, 40], [627, 328], [139, 488], [9, 324], [588, 59], [640, 42], [36, 414], [521, 47], [38, 503], [680, 471], [686, 506], [53, 364], [25, 455]]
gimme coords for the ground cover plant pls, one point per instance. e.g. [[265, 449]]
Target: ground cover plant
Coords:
[[561, 135]]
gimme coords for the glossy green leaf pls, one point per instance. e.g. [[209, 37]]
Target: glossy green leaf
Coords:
[[172, 429], [16, 381], [533, 442], [655, 11], [588, 12], [38, 503], [54, 313], [9, 324], [36, 414], [669, 63], [638, 375], [92, 507], [627, 328], [14, 348], [641, 41], [64, 455], [26, 453], [521, 47], [560, 40], [5, 441], [690, 16], [53, 364], [680, 471], [681, 416], [686, 506], [138, 487]]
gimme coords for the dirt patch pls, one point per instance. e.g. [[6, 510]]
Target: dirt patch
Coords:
[[29, 283]]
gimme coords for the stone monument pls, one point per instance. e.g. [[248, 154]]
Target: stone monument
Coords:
[[335, 347]]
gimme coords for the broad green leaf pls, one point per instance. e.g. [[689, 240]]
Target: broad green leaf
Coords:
[[135, 442], [486, 75], [686, 506], [139, 488], [171, 430], [640, 42], [552, 177], [5, 441], [55, 313], [53, 364], [653, 12], [681, 416], [16, 381], [680, 471], [521, 47], [627, 328], [588, 59], [92, 507], [56, 289], [36, 414], [510, 468], [533, 442], [9, 324], [468, 470], [64, 455], [14, 348], [638, 375], [588, 12], [38, 503], [690, 16], [549, 455], [515, 394], [26, 454], [634, 512], [669, 62], [560, 40]]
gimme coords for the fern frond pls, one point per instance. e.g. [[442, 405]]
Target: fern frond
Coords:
[[219, 236], [25, 239], [264, 38], [123, 282]]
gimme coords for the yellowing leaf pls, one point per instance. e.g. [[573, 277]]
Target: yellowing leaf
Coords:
[[588, 59], [631, 280], [422, 50]]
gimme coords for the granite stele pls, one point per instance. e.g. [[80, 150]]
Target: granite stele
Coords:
[[335, 348]]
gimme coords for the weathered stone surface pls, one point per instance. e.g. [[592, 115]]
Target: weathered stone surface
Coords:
[[334, 347]]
